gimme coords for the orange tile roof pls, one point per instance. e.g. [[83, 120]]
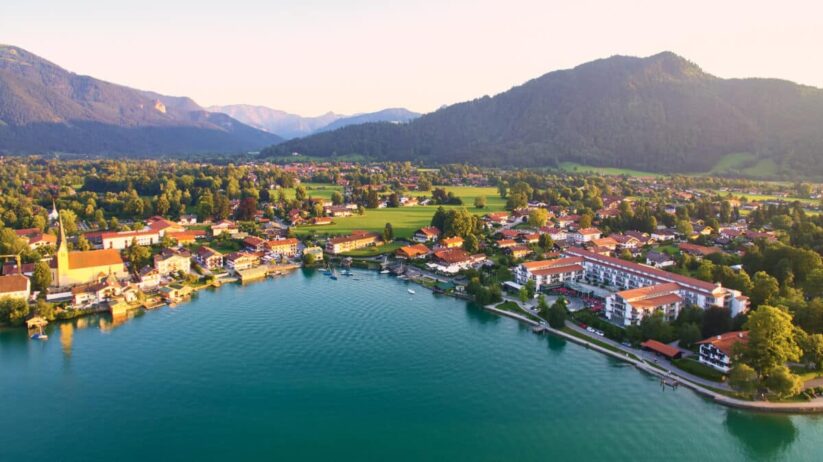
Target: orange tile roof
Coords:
[[13, 283], [725, 342], [654, 302], [648, 291], [413, 250], [557, 270], [92, 258], [541, 264], [662, 348]]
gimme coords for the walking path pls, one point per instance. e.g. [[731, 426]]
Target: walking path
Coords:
[[704, 387]]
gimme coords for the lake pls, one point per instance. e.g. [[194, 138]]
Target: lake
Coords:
[[307, 368]]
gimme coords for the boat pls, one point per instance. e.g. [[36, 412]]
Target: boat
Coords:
[[385, 272], [334, 275], [347, 273], [411, 291], [39, 336], [327, 272]]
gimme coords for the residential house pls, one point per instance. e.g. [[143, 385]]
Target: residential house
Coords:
[[550, 272], [356, 240], [239, 261], [629, 307], [410, 252], [717, 351], [283, 247], [451, 242], [15, 286], [426, 234], [584, 235], [209, 258], [172, 261]]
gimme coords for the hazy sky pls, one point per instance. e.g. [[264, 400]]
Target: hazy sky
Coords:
[[313, 56]]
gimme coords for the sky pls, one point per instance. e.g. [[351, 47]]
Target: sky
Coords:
[[350, 56]]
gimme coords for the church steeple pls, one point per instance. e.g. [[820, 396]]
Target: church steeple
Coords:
[[62, 253]]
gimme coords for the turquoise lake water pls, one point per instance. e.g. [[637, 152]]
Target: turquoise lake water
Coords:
[[306, 368]]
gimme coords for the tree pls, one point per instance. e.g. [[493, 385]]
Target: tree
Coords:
[[557, 313], [586, 220], [545, 242], [523, 295], [531, 288], [137, 255], [782, 383], [41, 278], [743, 378], [480, 202], [372, 199], [542, 307], [44, 309], [764, 288], [771, 340], [538, 217], [388, 233], [336, 198], [812, 346], [716, 320], [471, 244], [655, 327], [82, 243], [814, 283], [439, 218], [247, 209], [13, 311], [309, 259], [684, 227], [689, 334], [300, 193]]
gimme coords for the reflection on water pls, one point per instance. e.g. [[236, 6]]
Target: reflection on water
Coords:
[[476, 313], [556, 344], [762, 436], [66, 337]]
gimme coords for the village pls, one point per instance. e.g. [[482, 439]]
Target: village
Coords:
[[634, 263]]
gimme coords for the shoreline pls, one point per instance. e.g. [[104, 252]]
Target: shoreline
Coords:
[[802, 407]]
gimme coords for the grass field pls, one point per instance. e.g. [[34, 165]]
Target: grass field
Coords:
[[404, 220], [315, 190], [574, 167], [701, 370], [376, 250]]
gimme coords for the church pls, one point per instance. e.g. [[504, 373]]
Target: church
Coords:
[[82, 267]]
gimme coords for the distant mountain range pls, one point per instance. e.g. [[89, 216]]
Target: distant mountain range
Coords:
[[661, 113], [45, 108], [291, 126]]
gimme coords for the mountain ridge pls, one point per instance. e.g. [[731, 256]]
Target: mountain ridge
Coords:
[[289, 126], [661, 112], [45, 108]]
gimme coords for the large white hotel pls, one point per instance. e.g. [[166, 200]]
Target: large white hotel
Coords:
[[642, 289]]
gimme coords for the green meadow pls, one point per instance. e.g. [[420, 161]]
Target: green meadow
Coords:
[[573, 167]]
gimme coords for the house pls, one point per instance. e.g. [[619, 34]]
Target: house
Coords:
[[506, 243], [187, 220], [584, 235], [162, 226], [175, 292], [549, 272], [453, 260], [497, 218], [124, 239], [239, 261], [172, 261], [321, 221], [452, 242], [519, 251], [659, 259], [15, 286], [317, 252], [96, 292], [339, 211], [717, 351], [209, 258], [188, 236], [254, 244], [663, 235], [531, 238], [605, 242], [356, 240], [626, 241], [149, 278], [36, 238], [283, 247], [411, 252], [224, 227], [629, 307], [426, 234], [698, 251]]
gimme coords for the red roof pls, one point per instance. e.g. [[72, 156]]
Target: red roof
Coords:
[[662, 348], [725, 342]]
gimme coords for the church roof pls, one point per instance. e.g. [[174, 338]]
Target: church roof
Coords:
[[92, 258]]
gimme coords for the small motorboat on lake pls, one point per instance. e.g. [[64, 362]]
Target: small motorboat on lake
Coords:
[[411, 291]]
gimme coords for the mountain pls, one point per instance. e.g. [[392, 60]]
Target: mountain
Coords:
[[45, 108], [271, 120], [392, 115], [294, 126], [660, 113]]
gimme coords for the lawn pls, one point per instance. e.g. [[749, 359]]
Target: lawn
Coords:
[[376, 250], [323, 190], [574, 167], [701, 370], [404, 220]]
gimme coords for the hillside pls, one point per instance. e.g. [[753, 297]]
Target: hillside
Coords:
[[661, 113], [45, 108], [291, 126]]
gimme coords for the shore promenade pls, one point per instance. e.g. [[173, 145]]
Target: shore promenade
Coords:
[[696, 384]]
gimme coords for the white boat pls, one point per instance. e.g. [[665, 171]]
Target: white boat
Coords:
[[385, 272], [39, 336], [411, 291]]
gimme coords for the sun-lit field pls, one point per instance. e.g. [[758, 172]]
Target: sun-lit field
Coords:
[[573, 167], [404, 220], [323, 190]]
